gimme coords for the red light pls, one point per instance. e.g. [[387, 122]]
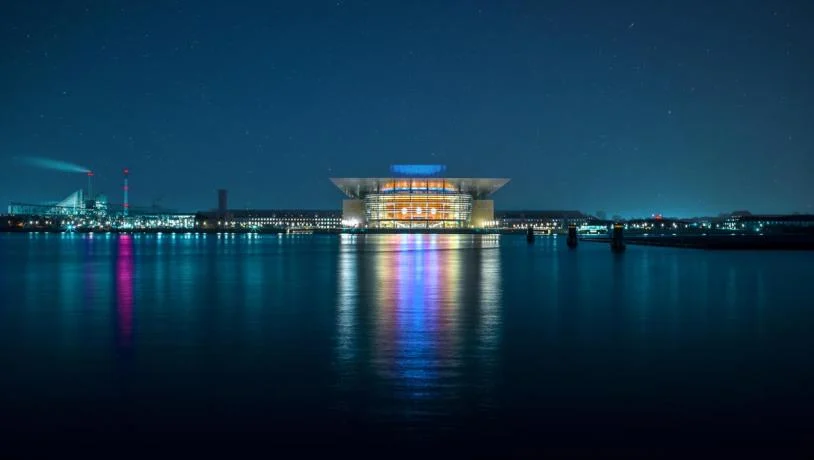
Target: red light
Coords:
[[90, 173], [126, 171]]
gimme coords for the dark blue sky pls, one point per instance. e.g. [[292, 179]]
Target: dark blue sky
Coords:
[[632, 107]]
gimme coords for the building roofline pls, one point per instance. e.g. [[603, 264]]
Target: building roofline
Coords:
[[357, 187]]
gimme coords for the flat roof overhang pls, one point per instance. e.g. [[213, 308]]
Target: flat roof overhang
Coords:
[[477, 187]]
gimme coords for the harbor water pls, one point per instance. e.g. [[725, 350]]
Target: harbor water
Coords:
[[480, 340]]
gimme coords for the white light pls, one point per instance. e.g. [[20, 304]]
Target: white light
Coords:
[[404, 210], [432, 211], [418, 210]]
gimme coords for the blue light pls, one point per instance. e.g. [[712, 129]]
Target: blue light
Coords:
[[417, 170]]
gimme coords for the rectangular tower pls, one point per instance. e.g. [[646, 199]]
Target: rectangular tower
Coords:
[[223, 205]]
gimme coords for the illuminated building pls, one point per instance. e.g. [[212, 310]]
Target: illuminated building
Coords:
[[71, 205], [269, 219], [769, 223], [551, 221], [417, 197]]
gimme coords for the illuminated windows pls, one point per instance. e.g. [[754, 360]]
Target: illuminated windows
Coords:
[[385, 210]]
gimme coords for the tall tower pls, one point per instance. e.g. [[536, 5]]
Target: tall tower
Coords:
[[90, 186], [90, 203], [222, 203], [125, 190]]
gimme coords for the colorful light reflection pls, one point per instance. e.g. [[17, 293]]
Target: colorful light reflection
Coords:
[[404, 304], [124, 292]]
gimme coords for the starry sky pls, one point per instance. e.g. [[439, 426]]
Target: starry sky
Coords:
[[630, 107]]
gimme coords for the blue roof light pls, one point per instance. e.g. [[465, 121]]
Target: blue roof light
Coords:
[[417, 170]]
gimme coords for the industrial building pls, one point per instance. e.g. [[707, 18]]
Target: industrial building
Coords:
[[82, 202], [85, 210], [71, 205], [417, 197]]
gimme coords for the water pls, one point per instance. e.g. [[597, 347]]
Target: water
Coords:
[[482, 340]]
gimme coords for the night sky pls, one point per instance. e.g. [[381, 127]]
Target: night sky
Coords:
[[631, 107]]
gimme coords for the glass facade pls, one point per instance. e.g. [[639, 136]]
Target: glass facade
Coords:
[[418, 202], [418, 210], [419, 186]]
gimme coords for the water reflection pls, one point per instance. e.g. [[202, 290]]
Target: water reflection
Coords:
[[413, 296], [411, 340], [124, 293], [89, 270], [408, 332], [347, 297]]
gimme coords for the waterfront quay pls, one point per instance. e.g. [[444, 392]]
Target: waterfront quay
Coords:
[[718, 241], [791, 232], [688, 241]]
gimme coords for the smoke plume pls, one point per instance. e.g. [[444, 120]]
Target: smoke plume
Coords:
[[54, 165]]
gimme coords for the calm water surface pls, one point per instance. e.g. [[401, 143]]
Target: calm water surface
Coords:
[[409, 336]]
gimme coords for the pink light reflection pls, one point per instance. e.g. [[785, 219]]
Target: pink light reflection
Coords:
[[124, 292]]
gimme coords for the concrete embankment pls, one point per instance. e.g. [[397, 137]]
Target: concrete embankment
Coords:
[[720, 242]]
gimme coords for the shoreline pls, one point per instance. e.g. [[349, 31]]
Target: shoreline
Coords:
[[794, 242], [686, 241], [267, 231]]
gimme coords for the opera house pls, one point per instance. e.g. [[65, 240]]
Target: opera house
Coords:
[[416, 197]]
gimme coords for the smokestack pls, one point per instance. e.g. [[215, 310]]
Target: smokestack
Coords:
[[90, 203], [90, 186], [125, 189], [222, 203]]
